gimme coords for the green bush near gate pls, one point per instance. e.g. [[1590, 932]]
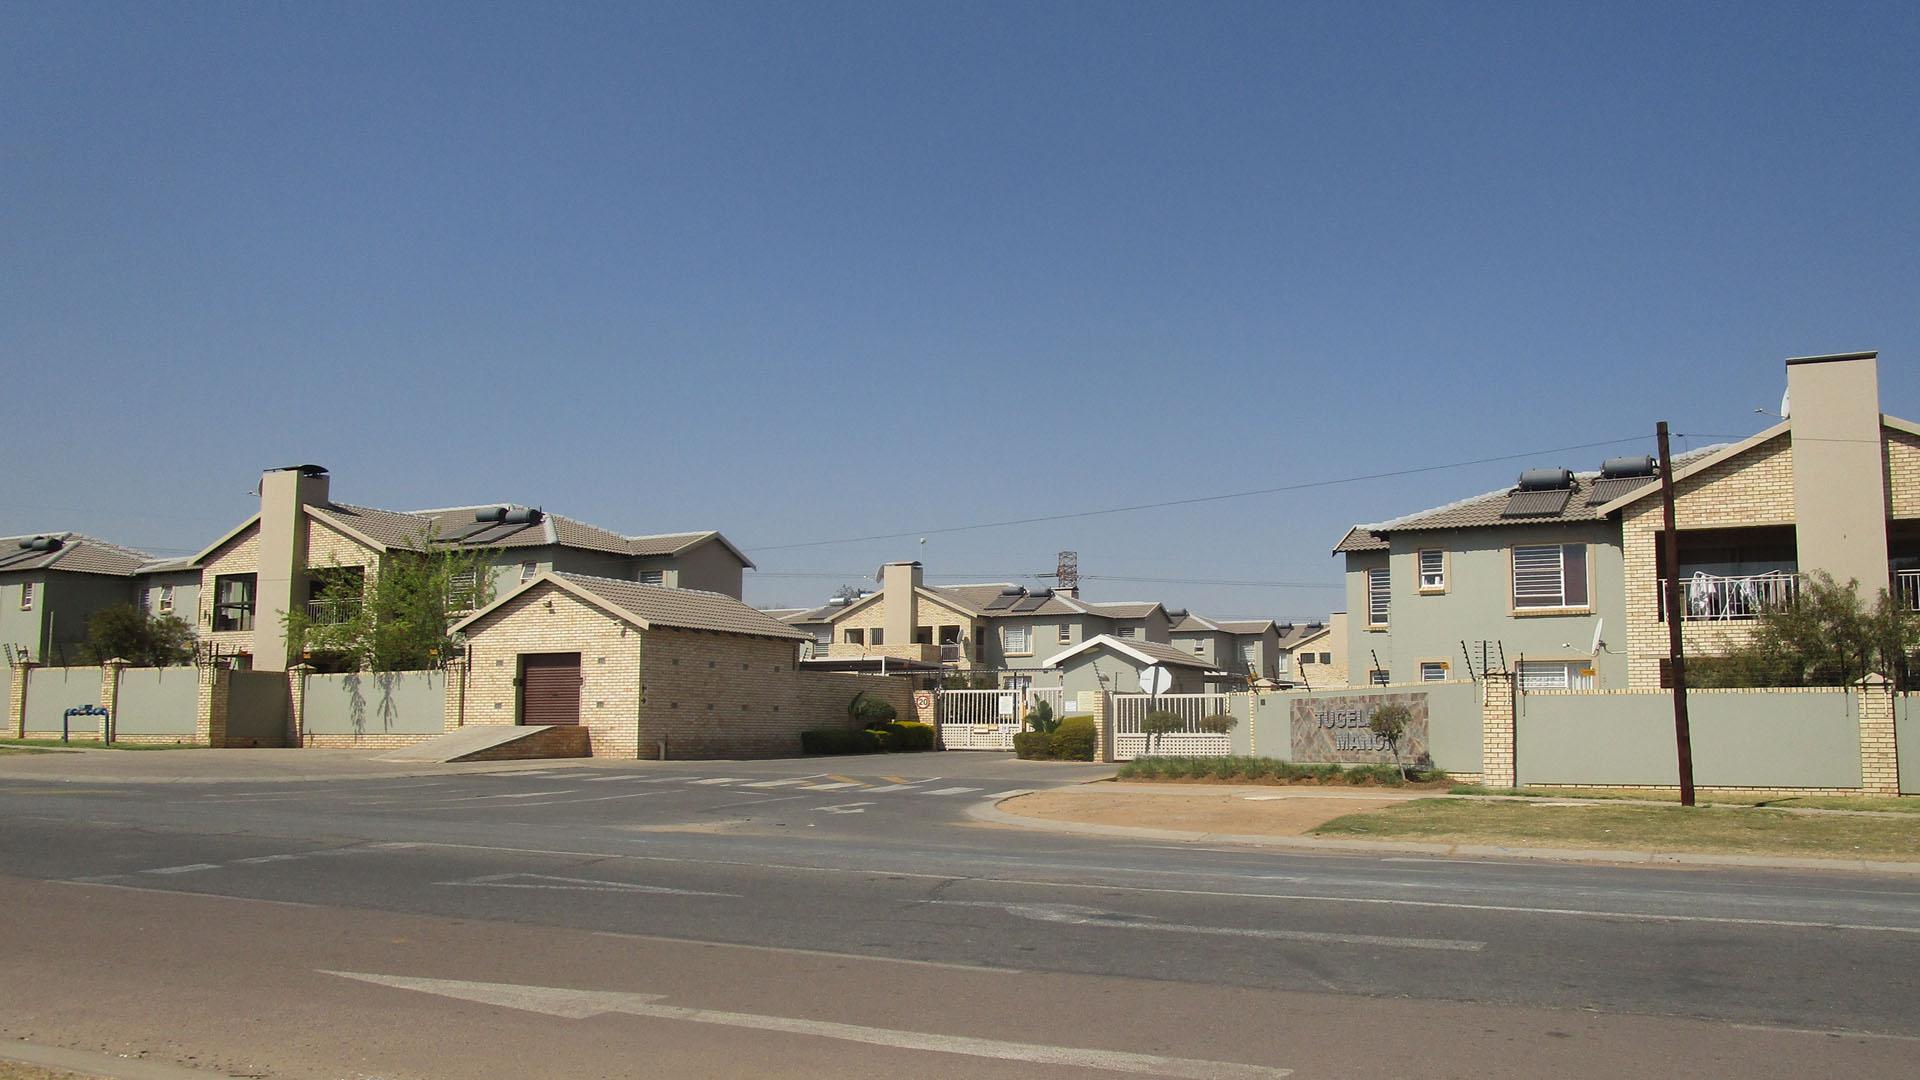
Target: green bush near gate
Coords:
[[910, 736], [1074, 739], [1272, 770], [839, 741], [1033, 746], [869, 711]]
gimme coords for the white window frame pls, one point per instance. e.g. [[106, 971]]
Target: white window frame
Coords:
[[1433, 671], [529, 571], [1539, 578], [853, 635], [876, 635], [1250, 656], [1431, 563], [1127, 632], [26, 596], [1009, 635], [1536, 675], [1379, 598], [1380, 677], [166, 599], [1066, 633], [1200, 647]]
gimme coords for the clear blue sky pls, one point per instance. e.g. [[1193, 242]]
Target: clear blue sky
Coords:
[[810, 271]]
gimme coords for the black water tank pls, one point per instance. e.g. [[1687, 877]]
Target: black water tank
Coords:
[[1546, 480], [1615, 468]]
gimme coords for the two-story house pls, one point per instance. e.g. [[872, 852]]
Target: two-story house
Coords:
[[52, 583], [1561, 574]]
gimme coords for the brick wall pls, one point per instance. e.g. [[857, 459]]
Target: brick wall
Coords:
[[240, 555], [550, 619], [1903, 474]]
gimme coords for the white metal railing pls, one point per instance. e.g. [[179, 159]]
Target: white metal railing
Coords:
[[327, 612], [1130, 710], [1054, 696], [1906, 587], [978, 719], [952, 652], [1715, 598]]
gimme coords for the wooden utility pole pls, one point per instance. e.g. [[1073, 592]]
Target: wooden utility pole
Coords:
[[1676, 657]]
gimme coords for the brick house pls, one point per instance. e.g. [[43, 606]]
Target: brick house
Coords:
[[649, 671], [1544, 570]]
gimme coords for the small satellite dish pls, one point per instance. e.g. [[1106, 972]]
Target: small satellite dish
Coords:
[[1156, 680], [1598, 625], [1786, 403]]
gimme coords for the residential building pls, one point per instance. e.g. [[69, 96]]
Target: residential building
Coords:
[[1561, 574], [1313, 654], [52, 583]]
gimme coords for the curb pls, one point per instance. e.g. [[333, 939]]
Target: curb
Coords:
[[447, 769], [97, 1064], [991, 813]]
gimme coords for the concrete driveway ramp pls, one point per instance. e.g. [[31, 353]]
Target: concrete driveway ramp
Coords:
[[499, 742]]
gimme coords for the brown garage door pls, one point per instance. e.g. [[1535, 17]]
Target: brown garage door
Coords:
[[550, 688]]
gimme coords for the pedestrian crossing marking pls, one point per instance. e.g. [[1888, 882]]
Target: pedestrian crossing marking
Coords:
[[951, 791]]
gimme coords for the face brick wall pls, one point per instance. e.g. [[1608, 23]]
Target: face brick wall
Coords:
[[550, 619], [241, 555]]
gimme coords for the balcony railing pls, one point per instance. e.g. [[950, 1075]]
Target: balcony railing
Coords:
[[1906, 588], [329, 612], [1713, 598], [952, 652]]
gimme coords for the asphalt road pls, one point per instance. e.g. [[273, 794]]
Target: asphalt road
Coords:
[[843, 917]]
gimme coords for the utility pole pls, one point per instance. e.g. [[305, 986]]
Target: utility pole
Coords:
[[1676, 657]]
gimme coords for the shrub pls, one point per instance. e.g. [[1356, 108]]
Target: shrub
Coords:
[[1258, 768], [910, 736], [1219, 723], [1145, 768], [1160, 722], [1040, 718], [869, 711], [1390, 722], [1032, 745], [837, 741], [883, 740], [1225, 768], [1074, 739]]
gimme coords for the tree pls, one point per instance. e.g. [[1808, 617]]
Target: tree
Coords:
[[1826, 636], [397, 621], [126, 632], [1161, 722], [1390, 722], [869, 711]]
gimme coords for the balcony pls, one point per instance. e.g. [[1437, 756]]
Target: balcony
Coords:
[[1906, 588], [331, 612], [1717, 598], [952, 652]]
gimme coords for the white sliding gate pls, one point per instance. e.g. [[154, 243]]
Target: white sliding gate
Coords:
[[1130, 742], [979, 719]]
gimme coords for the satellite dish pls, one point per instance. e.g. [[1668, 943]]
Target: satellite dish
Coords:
[[1786, 403], [1156, 680], [1598, 625]]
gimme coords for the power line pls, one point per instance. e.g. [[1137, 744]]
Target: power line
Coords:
[[1194, 500]]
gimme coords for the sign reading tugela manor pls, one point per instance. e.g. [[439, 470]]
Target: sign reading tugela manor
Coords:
[[1335, 730]]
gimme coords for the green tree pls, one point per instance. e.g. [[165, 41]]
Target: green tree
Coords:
[[1040, 718], [147, 640], [1829, 635], [397, 621], [1390, 722], [1160, 722]]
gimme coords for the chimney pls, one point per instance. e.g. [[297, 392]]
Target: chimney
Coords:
[[1839, 474], [899, 582], [281, 582]]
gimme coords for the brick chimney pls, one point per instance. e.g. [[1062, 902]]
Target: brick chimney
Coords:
[[899, 585], [1839, 470], [282, 579]]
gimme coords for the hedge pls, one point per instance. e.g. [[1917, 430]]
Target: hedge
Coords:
[[1074, 739], [905, 737]]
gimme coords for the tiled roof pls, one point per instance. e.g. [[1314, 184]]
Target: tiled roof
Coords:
[[1124, 609], [386, 527], [456, 525], [78, 553], [664, 543], [1300, 632], [1191, 623], [1151, 651], [685, 609], [1246, 626], [1360, 538]]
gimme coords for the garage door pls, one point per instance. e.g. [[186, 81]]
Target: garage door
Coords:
[[550, 688]]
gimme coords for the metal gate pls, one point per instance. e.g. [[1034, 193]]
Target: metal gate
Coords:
[[978, 719], [1130, 742], [1054, 696]]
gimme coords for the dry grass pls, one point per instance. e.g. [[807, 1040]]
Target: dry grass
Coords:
[[1599, 824]]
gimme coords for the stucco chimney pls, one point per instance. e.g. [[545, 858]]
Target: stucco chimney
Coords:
[[899, 585], [1839, 474], [282, 579]]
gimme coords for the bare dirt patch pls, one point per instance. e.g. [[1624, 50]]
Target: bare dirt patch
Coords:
[[1196, 811]]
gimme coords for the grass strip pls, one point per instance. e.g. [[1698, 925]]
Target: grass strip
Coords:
[[1726, 830], [1888, 804]]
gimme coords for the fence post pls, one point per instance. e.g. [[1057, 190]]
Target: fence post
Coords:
[[297, 704], [1498, 764], [110, 695], [210, 712], [454, 711], [17, 699], [1879, 749], [1102, 726]]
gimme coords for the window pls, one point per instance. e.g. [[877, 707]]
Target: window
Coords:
[[1433, 671], [653, 577], [1433, 571], [1200, 648], [1378, 676], [1550, 576], [854, 637], [1249, 655], [1306, 658], [1285, 663], [166, 599], [26, 596], [1066, 634], [1013, 639], [529, 571], [233, 602], [1555, 675], [1379, 596], [1326, 658], [1127, 631], [143, 600], [877, 636], [823, 635]]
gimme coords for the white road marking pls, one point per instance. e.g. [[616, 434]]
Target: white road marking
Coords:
[[896, 787], [773, 783], [546, 802], [578, 1004], [1075, 915], [187, 869], [1008, 794], [1630, 916], [950, 791], [843, 808], [508, 795], [573, 884], [830, 787], [604, 779], [720, 780]]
